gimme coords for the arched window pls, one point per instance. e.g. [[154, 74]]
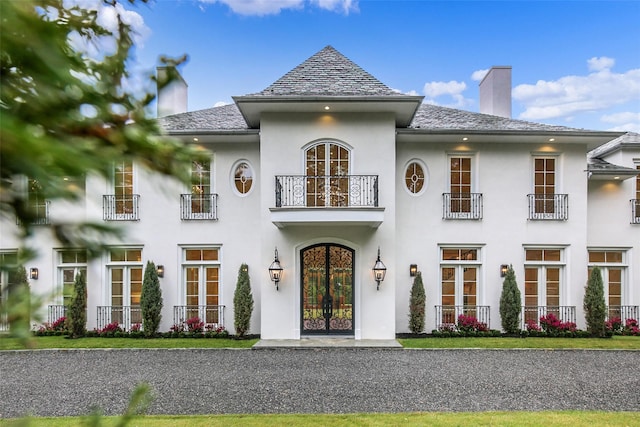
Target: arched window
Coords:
[[327, 174], [415, 177], [242, 177]]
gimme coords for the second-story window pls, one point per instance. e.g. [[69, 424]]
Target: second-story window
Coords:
[[38, 206], [243, 177], [635, 203], [122, 205], [327, 170]]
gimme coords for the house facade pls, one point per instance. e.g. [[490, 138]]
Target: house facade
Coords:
[[327, 173]]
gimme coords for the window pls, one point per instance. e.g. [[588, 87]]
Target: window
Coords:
[[461, 202], [327, 175], [243, 177], [613, 268], [201, 202], [459, 285], [543, 284], [123, 204], [635, 203], [201, 285], [9, 262], [37, 205], [70, 264], [545, 202], [125, 285], [415, 177]]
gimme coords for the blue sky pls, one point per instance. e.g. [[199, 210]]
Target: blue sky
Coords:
[[575, 63]]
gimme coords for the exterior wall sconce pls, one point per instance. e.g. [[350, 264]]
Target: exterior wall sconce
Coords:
[[33, 273], [160, 270], [275, 270], [379, 270], [413, 270], [503, 270]]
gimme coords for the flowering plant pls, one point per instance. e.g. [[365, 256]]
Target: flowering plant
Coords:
[[468, 324], [614, 325], [194, 324], [552, 325], [631, 327], [532, 326]]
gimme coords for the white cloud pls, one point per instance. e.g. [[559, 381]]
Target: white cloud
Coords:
[[220, 104], [273, 7], [569, 95], [451, 89], [479, 75], [624, 121]]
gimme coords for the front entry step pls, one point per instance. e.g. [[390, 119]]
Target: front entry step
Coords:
[[322, 342]]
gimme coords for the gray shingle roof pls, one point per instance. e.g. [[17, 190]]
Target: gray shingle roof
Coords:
[[628, 139], [226, 117], [327, 73]]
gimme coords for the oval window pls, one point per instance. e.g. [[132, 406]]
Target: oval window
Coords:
[[414, 177], [243, 177]]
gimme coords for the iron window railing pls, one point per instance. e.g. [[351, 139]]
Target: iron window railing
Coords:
[[199, 206], [447, 315], [635, 211], [548, 206], [326, 191], [533, 313], [55, 312], [121, 207], [462, 205], [623, 312], [124, 315], [211, 315]]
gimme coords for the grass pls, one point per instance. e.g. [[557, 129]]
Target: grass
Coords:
[[521, 419], [613, 343], [65, 343]]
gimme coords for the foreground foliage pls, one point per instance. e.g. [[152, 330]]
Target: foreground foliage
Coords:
[[524, 419], [614, 343]]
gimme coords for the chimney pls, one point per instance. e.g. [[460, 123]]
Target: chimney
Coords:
[[495, 92], [172, 99]]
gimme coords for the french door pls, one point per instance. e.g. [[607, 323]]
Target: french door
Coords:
[[327, 289]]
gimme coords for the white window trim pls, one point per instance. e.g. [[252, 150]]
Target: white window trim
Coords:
[[479, 264], [425, 170], [475, 184], [604, 266], [232, 177], [542, 273], [558, 184], [127, 265], [182, 289]]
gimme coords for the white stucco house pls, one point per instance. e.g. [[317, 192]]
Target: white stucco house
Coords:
[[329, 170]]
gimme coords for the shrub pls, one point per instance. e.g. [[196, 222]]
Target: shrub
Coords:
[[151, 300], [242, 302], [595, 308], [470, 325], [553, 326], [77, 310], [614, 325], [56, 328], [113, 329], [631, 328], [195, 325], [510, 302], [417, 303]]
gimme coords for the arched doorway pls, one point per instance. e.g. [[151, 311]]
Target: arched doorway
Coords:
[[327, 302]]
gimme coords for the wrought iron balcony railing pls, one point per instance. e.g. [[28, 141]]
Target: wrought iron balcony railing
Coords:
[[462, 206], [635, 211], [623, 312], [199, 206], [121, 207], [211, 315], [125, 316], [55, 312], [326, 191], [533, 313], [548, 206], [447, 315]]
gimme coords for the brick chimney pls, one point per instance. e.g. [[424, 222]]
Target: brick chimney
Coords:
[[495, 92], [172, 99]]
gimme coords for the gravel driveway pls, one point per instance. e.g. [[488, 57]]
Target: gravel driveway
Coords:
[[214, 381]]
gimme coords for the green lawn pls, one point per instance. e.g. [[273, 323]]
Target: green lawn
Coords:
[[62, 342], [613, 343], [521, 419]]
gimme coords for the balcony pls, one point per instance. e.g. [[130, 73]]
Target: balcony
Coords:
[[548, 207], [55, 312], [121, 207], [533, 313], [635, 211], [211, 315], [326, 200], [623, 312], [125, 316], [199, 207], [447, 315], [462, 206]]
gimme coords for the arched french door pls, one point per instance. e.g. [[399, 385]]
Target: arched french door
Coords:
[[327, 289], [327, 172]]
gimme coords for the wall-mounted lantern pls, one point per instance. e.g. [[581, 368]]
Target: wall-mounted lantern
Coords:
[[275, 270], [503, 270], [413, 270], [379, 270], [160, 270], [33, 273]]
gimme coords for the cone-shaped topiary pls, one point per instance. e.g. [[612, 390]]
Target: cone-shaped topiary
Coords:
[[595, 308], [151, 300], [510, 303], [242, 302], [18, 304], [77, 309], [417, 303]]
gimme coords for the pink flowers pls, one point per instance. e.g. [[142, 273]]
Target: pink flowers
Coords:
[[551, 324], [468, 324], [614, 325]]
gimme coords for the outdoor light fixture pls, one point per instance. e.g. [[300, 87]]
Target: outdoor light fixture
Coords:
[[413, 270], [160, 270], [33, 273], [379, 270], [275, 270], [503, 270]]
